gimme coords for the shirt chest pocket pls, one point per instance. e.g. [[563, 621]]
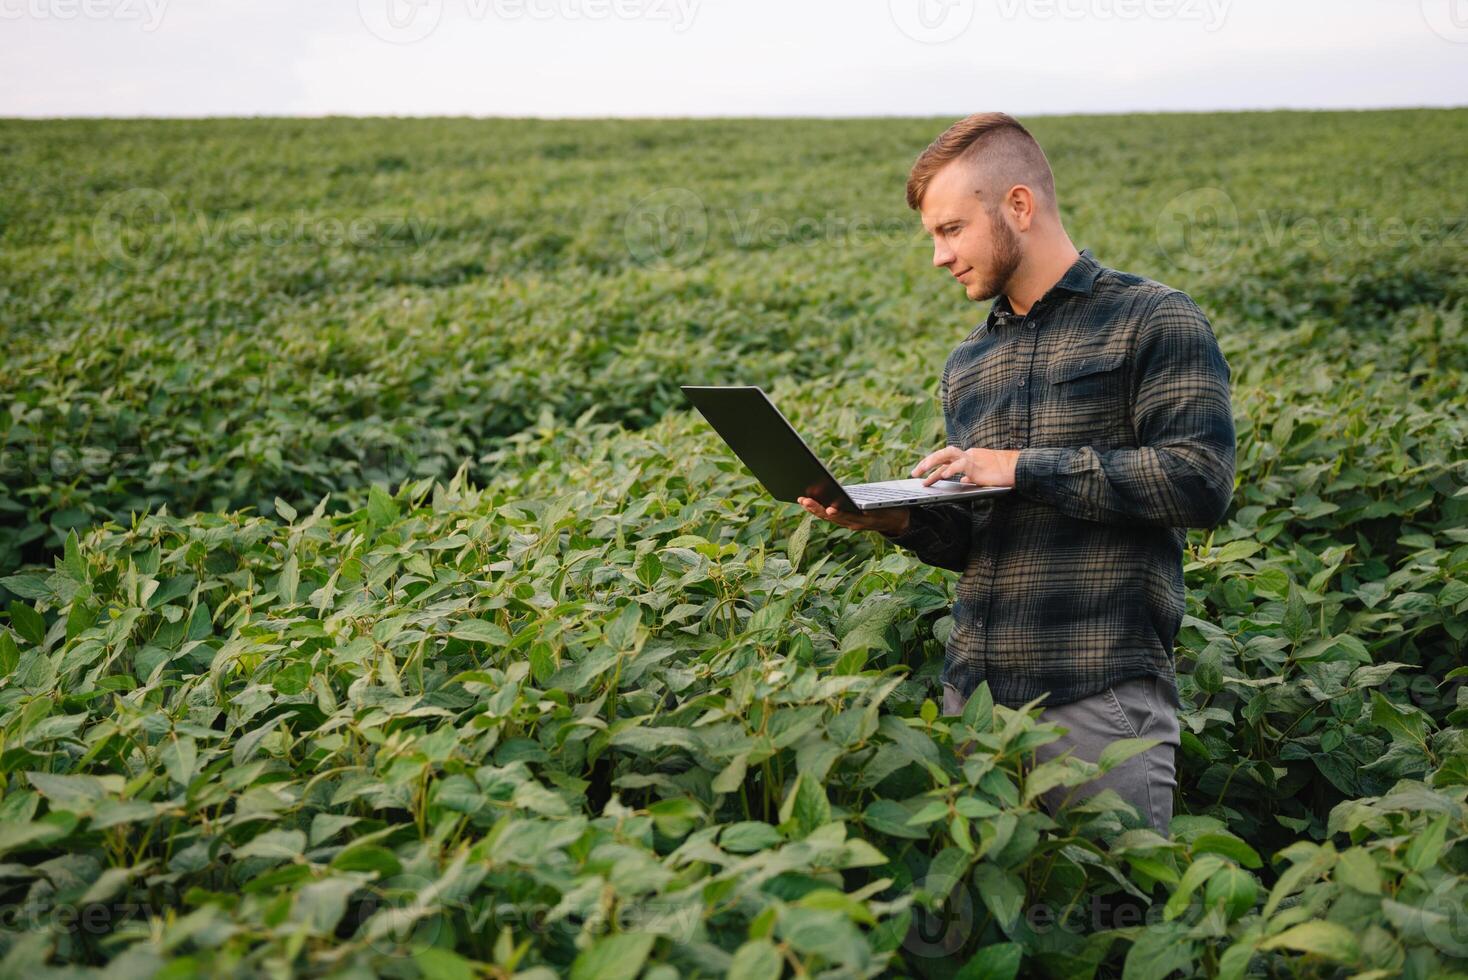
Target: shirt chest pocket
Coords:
[[1088, 401]]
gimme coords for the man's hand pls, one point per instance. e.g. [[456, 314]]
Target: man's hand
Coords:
[[889, 520], [982, 467]]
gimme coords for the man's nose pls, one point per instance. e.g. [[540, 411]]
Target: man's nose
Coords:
[[941, 256]]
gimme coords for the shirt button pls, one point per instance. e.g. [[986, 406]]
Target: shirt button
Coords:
[[1021, 383], [979, 623]]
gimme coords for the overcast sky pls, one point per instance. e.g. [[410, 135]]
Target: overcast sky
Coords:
[[723, 57]]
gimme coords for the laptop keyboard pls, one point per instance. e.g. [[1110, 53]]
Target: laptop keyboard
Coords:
[[866, 491]]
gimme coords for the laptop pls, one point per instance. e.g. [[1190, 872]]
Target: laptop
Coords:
[[774, 452]]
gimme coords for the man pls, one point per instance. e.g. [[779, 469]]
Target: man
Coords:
[[1102, 398]]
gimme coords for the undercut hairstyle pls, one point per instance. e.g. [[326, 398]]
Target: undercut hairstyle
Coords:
[[1000, 152]]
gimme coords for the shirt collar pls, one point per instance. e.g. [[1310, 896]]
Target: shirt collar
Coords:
[[1080, 278]]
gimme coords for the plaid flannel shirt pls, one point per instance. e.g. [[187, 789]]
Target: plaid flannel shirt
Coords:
[[1115, 392]]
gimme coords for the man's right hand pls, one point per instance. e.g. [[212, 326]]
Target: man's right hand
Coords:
[[890, 520]]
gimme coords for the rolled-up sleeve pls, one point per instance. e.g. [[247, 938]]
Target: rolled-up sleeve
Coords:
[[1182, 472]]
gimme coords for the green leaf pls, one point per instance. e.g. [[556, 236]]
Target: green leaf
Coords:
[[1003, 894], [978, 711], [1328, 939], [1193, 878], [28, 623], [180, 758], [732, 777], [623, 631], [1208, 671], [757, 959], [1158, 952], [997, 962], [1123, 749], [1229, 846], [277, 845], [542, 662], [748, 836], [771, 617], [73, 564], [1235, 888], [1356, 868], [368, 857], [675, 817], [805, 807], [480, 631], [615, 957], [1296, 622], [290, 580], [9, 654], [1237, 551], [795, 549], [382, 509], [824, 933], [1427, 846], [891, 818], [28, 586], [1405, 724], [437, 963], [320, 905]]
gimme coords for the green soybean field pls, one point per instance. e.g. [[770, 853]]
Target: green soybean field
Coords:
[[373, 604]]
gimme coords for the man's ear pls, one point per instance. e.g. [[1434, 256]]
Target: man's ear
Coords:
[[1020, 203]]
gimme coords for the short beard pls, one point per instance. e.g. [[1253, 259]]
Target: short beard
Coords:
[[1007, 252]]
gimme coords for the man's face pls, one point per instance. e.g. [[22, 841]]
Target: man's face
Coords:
[[970, 240]]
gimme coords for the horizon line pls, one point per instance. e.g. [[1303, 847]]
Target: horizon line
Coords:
[[718, 117]]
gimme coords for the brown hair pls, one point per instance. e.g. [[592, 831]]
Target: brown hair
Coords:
[[998, 144]]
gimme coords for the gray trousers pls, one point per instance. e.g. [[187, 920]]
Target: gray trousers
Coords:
[[1140, 707]]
